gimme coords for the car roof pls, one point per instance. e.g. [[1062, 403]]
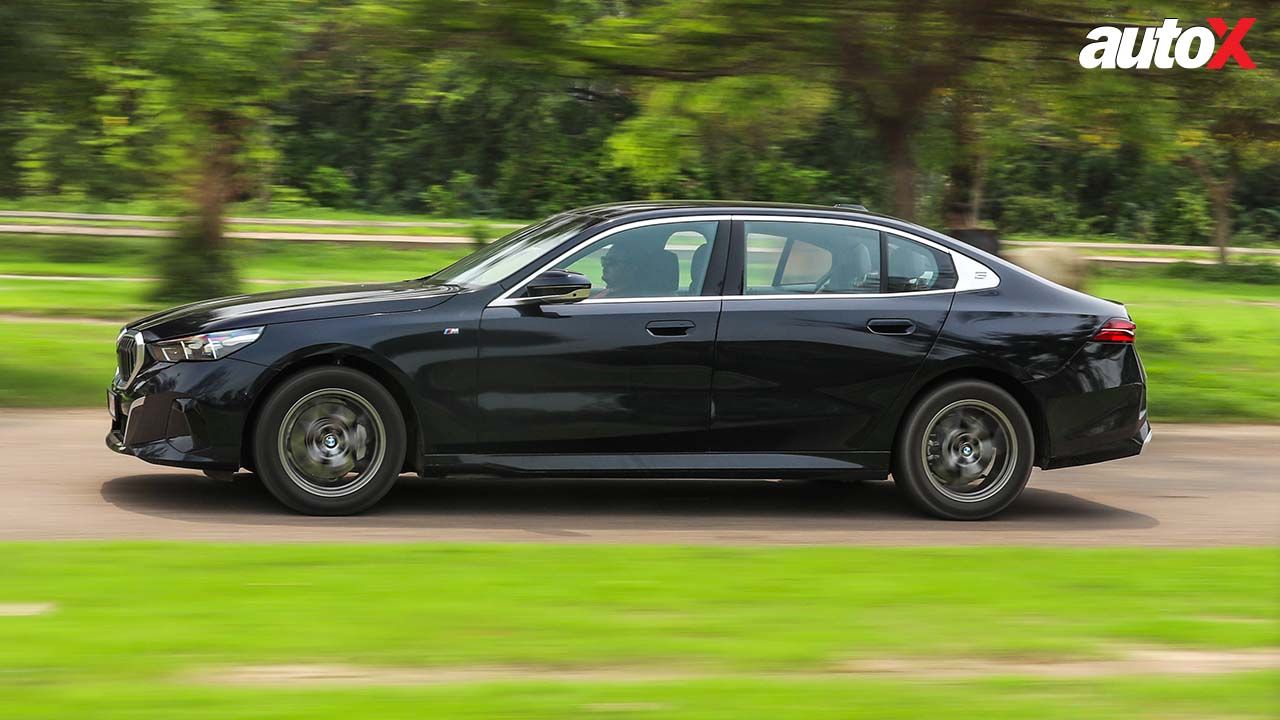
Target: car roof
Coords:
[[659, 208]]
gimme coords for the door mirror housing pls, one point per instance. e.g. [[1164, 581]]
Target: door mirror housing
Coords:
[[557, 286]]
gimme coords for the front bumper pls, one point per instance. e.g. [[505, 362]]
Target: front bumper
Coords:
[[188, 414]]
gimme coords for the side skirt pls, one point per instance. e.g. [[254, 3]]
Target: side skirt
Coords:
[[852, 465]]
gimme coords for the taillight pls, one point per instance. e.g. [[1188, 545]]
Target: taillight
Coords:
[[1117, 330]]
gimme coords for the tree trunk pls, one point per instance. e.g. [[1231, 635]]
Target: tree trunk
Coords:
[[976, 188], [963, 194], [896, 134], [1220, 195], [198, 263], [211, 198], [1220, 192]]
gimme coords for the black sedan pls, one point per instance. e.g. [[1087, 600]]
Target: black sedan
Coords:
[[663, 339]]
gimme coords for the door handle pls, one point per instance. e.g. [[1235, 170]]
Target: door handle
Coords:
[[891, 326], [669, 328]]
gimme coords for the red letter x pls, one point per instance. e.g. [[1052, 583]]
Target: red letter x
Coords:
[[1231, 47]]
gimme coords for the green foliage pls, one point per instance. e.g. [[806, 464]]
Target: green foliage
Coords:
[[286, 197], [460, 197], [331, 187], [1041, 215], [529, 107]]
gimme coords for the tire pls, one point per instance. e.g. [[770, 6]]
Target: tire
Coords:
[[964, 451], [329, 441]]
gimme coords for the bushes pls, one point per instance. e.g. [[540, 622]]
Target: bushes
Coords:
[[330, 187], [460, 197], [1042, 215]]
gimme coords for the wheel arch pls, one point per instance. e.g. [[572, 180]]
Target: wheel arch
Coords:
[[389, 378], [1001, 379]]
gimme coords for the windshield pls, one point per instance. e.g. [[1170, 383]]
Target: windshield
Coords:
[[507, 255]]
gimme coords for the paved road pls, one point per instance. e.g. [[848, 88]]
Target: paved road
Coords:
[[1196, 485]]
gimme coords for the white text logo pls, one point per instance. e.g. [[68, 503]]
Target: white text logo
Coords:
[[1167, 46]]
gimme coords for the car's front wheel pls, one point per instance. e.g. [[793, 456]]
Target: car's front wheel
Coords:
[[964, 451], [329, 441]]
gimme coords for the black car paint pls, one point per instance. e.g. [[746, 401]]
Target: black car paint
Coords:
[[756, 388]]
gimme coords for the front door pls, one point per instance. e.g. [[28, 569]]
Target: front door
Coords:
[[626, 371], [831, 322]]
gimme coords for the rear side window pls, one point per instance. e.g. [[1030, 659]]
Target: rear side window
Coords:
[[913, 267], [810, 258]]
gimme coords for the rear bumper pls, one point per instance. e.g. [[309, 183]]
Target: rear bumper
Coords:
[[189, 414], [1131, 446], [1095, 409]]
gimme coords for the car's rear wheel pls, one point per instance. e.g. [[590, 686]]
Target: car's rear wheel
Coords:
[[329, 441], [964, 451]]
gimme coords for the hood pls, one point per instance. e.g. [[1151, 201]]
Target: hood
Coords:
[[292, 306]]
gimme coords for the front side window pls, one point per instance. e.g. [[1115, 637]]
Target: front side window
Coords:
[[666, 260], [810, 258]]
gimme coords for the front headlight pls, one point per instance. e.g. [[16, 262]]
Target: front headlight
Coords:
[[208, 346]]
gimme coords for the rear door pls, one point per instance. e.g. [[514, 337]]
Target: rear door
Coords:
[[831, 320]]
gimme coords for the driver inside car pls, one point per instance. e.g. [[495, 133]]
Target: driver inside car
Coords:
[[635, 270]]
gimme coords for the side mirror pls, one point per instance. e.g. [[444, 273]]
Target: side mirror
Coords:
[[557, 286]]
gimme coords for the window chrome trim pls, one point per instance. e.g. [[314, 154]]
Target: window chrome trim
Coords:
[[972, 275]]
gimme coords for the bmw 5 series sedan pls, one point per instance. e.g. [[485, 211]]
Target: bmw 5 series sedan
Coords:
[[662, 339]]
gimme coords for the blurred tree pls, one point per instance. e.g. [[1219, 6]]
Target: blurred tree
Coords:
[[966, 110], [223, 62], [895, 58], [1216, 123]]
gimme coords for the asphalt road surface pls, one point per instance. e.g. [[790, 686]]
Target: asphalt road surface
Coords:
[[1196, 485]]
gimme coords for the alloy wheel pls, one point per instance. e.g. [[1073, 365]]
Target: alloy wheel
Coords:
[[969, 451], [332, 442]]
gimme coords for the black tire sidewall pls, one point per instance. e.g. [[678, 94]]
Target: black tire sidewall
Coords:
[[270, 466], [909, 473]]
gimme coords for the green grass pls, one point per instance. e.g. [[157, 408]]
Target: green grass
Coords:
[[139, 257], [752, 628], [55, 364], [1211, 350], [103, 299]]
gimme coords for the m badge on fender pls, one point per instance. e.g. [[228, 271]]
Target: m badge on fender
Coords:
[[451, 331]]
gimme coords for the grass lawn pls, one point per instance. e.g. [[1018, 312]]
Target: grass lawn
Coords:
[[140, 630], [140, 257], [55, 364]]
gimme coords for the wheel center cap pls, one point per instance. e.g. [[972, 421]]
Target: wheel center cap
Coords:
[[330, 441], [966, 450]]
